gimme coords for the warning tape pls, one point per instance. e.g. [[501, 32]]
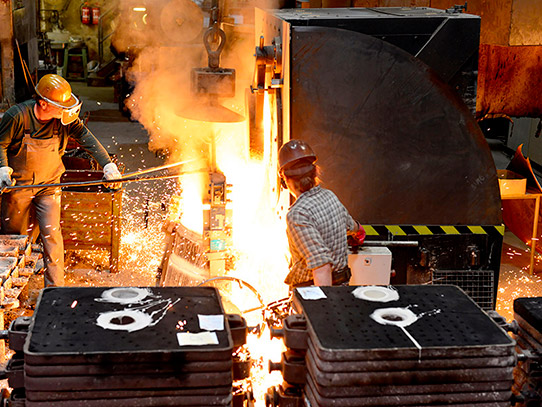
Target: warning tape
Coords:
[[424, 230]]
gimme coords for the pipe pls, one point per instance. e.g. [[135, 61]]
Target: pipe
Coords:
[[100, 182], [153, 169], [240, 282], [391, 243]]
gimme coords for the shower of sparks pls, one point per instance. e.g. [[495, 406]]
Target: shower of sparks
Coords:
[[180, 325], [515, 280], [141, 239]]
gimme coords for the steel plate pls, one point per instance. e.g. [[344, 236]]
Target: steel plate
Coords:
[[200, 401], [128, 369], [530, 310], [408, 364], [528, 332], [398, 390], [523, 344], [408, 377], [450, 325], [412, 399], [405, 135], [159, 381], [123, 394], [64, 328]]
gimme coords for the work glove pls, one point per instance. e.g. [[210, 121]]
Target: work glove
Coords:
[[111, 172], [357, 239], [5, 178]]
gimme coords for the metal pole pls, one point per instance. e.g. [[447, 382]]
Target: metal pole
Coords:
[[101, 182], [153, 169]]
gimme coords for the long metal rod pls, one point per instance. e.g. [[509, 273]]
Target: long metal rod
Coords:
[[391, 243], [101, 182], [153, 169]]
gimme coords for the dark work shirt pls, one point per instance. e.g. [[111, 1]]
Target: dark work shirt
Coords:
[[12, 132]]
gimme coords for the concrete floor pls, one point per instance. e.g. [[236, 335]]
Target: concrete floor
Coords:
[[141, 239]]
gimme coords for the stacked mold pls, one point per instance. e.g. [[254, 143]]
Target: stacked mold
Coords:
[[164, 346], [528, 330], [400, 346]]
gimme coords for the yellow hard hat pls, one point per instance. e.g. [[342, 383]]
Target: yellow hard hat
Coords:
[[56, 90]]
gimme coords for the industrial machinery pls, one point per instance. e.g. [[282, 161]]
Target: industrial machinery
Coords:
[[190, 257], [405, 346], [183, 32], [18, 50], [345, 346], [126, 346], [366, 88]]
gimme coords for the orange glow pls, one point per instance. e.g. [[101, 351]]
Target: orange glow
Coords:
[[262, 350], [192, 205], [258, 233], [258, 236], [257, 249]]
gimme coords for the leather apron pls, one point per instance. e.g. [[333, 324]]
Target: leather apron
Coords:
[[38, 161]]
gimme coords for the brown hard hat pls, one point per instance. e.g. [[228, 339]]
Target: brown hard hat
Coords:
[[57, 91], [294, 151]]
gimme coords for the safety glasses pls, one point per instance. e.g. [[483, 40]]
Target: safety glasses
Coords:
[[69, 115]]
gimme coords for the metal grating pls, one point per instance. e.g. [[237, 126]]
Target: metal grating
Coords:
[[453, 325], [64, 328], [478, 284]]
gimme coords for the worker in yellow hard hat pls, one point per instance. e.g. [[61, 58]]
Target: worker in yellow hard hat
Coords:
[[317, 223], [33, 138]]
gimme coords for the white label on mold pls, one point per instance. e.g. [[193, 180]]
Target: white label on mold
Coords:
[[211, 322], [197, 339]]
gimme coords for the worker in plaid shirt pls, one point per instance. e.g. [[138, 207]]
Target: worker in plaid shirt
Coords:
[[316, 223]]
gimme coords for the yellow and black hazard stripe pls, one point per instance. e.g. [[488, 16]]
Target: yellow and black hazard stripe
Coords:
[[428, 230]]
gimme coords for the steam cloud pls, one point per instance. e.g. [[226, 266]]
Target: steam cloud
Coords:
[[165, 41]]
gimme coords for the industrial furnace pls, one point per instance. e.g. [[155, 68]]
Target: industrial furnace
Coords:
[[375, 94]]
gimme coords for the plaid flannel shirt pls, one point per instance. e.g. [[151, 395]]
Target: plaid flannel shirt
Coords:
[[316, 226]]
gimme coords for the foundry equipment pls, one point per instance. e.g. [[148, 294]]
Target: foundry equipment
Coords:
[[392, 346], [407, 345], [91, 212], [213, 79], [191, 258], [18, 46], [126, 346], [528, 334], [371, 91]]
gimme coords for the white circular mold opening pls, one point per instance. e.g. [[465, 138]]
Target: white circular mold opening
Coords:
[[376, 293], [125, 295], [125, 320], [394, 316]]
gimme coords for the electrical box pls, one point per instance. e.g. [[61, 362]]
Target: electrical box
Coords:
[[370, 266]]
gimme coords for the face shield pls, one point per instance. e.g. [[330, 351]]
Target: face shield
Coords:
[[69, 115], [70, 109]]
